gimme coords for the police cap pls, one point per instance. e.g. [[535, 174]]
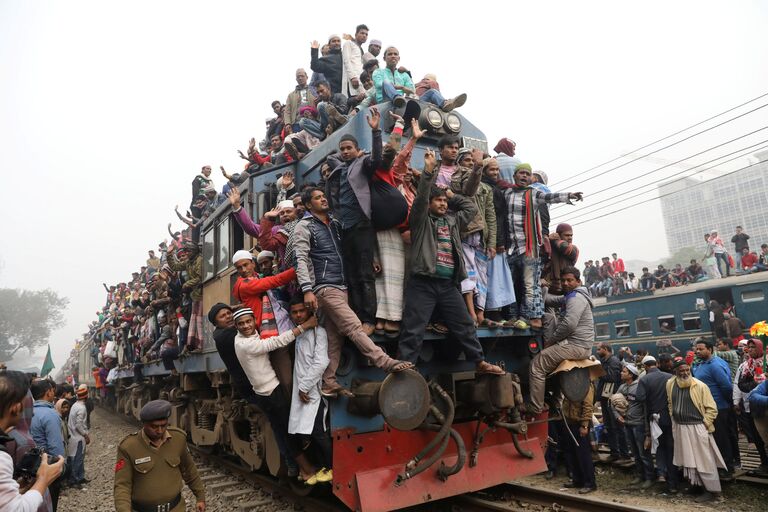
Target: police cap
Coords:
[[155, 410]]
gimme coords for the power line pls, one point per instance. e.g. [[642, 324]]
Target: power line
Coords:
[[667, 194], [582, 213], [675, 163], [665, 147]]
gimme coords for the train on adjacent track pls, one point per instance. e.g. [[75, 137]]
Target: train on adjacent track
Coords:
[[414, 437]]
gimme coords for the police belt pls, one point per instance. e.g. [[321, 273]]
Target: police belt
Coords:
[[164, 507]]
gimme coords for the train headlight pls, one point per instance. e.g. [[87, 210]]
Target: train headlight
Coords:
[[435, 119], [453, 123]]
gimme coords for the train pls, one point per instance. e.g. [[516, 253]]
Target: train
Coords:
[[665, 320], [403, 439]]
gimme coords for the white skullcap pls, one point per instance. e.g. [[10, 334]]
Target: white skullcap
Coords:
[[263, 255], [241, 255], [649, 358], [632, 368], [288, 203]]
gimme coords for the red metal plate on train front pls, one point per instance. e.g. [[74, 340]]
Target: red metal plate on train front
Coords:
[[366, 465]]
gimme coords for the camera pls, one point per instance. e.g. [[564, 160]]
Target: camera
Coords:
[[30, 463]]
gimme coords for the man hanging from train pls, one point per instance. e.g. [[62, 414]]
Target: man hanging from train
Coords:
[[316, 243], [571, 337], [437, 269], [526, 239], [271, 318]]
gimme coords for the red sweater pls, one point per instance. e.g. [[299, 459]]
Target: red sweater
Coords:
[[250, 291], [749, 260]]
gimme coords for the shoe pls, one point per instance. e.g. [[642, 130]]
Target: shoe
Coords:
[[587, 490], [324, 475], [454, 102], [647, 484], [338, 118], [549, 475], [571, 485], [705, 497], [292, 151], [398, 101]]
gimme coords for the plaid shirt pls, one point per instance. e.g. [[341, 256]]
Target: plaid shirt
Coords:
[[516, 213], [732, 358]]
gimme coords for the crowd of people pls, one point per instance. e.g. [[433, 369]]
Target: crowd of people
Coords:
[[678, 417], [608, 276], [45, 431]]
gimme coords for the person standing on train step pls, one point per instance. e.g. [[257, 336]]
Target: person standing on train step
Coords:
[[526, 239], [437, 269], [192, 263], [220, 315], [740, 242], [251, 351], [320, 271], [569, 337], [606, 386], [152, 463], [693, 412], [713, 372], [652, 394], [271, 318], [308, 417]]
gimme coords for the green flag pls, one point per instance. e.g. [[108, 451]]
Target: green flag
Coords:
[[47, 364]]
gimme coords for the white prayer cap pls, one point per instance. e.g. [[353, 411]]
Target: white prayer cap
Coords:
[[241, 255], [263, 255], [288, 203]]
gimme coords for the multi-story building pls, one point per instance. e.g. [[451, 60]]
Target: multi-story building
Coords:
[[716, 200]]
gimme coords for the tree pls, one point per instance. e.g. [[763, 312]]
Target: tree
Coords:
[[27, 319], [684, 256]]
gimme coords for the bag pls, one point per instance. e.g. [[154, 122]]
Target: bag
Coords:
[[389, 208], [110, 350], [608, 390]]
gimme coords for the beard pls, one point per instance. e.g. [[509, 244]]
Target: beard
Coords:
[[684, 382]]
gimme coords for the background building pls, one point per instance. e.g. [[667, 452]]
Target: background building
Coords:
[[714, 200]]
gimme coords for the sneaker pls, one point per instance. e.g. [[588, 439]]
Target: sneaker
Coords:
[[398, 101], [454, 102]]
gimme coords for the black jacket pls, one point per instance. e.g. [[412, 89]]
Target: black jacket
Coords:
[[612, 368], [225, 345], [331, 66], [652, 392]]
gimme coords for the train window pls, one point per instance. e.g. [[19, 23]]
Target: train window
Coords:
[[667, 324], [208, 254], [222, 239], [622, 328], [643, 326], [601, 330], [752, 296], [260, 207], [691, 321]]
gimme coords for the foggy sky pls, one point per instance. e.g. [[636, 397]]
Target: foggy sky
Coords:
[[109, 109]]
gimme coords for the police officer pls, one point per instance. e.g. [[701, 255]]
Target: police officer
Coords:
[[151, 464]]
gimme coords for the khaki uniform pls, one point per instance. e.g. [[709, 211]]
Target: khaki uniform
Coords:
[[149, 476]]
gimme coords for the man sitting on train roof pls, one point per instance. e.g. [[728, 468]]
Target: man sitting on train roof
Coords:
[[437, 269], [331, 108], [570, 336]]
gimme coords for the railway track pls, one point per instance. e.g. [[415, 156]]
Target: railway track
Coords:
[[517, 497]]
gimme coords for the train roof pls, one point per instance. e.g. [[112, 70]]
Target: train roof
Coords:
[[709, 284]]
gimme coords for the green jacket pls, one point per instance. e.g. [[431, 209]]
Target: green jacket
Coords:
[[424, 230], [194, 269]]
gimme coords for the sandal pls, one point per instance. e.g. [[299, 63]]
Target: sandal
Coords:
[[401, 366], [439, 328], [336, 392], [521, 325], [508, 324], [490, 324], [486, 368]]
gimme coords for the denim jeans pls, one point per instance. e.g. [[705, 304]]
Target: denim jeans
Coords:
[[433, 96], [526, 272], [721, 256], [643, 460], [389, 92], [78, 465]]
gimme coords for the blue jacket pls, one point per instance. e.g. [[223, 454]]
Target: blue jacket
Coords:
[[46, 429], [717, 376], [758, 400], [318, 253]]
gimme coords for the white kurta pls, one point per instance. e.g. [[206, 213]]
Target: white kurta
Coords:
[[352, 57], [311, 362]]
